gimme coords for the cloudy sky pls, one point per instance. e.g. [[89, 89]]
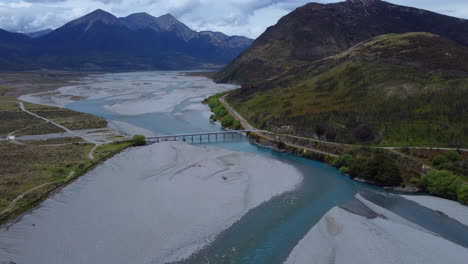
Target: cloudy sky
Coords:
[[235, 17]]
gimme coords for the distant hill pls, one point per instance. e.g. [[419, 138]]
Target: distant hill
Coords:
[[101, 41], [316, 31], [395, 89]]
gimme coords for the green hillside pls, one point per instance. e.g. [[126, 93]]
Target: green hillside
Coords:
[[394, 90]]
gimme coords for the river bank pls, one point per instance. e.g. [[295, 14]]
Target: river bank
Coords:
[[178, 203], [347, 235], [387, 167]]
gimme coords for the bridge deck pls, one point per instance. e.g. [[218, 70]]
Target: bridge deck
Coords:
[[193, 135]]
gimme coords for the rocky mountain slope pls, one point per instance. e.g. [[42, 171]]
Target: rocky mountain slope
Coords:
[[316, 31]]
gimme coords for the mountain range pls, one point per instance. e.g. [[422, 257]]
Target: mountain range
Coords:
[[101, 41], [359, 71]]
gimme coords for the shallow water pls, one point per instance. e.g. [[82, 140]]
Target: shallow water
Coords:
[[266, 234]]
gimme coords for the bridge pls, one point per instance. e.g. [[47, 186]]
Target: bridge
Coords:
[[200, 137]]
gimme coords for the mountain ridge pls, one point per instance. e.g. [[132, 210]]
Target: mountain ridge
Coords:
[[101, 41], [315, 31]]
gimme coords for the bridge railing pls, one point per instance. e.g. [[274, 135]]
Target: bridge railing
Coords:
[[209, 137]]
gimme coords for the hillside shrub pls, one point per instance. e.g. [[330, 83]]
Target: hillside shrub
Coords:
[[330, 133], [441, 183], [342, 161], [452, 155], [139, 140], [364, 133], [463, 194], [280, 144], [236, 125], [213, 102], [378, 169], [319, 130], [313, 155], [220, 111], [344, 170], [227, 121], [439, 160], [329, 159]]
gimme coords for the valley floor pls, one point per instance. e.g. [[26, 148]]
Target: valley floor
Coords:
[[46, 148]]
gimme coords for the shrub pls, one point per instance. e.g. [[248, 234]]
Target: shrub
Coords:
[[139, 140], [330, 133], [236, 125], [319, 130], [329, 159], [280, 144], [439, 159], [379, 169], [344, 170], [364, 133], [415, 181], [213, 102], [452, 155], [313, 155], [441, 183], [220, 111], [463, 194], [227, 121], [446, 166], [342, 160]]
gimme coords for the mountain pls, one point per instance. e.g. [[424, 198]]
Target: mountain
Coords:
[[395, 90], [38, 33], [315, 31], [12, 47], [165, 23], [101, 41]]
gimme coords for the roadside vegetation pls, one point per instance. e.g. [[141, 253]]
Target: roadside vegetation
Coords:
[[139, 140], [220, 113]]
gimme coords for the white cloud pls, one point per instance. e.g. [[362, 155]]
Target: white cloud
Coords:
[[236, 17]]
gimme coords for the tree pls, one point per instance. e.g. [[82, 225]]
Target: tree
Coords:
[[330, 133], [213, 102], [364, 133], [227, 121], [439, 159], [379, 169], [139, 140], [319, 130], [220, 111], [463, 194], [342, 161], [452, 155], [441, 183], [236, 125]]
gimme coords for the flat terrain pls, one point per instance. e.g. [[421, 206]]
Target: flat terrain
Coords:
[[15, 84], [12, 119], [32, 167]]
